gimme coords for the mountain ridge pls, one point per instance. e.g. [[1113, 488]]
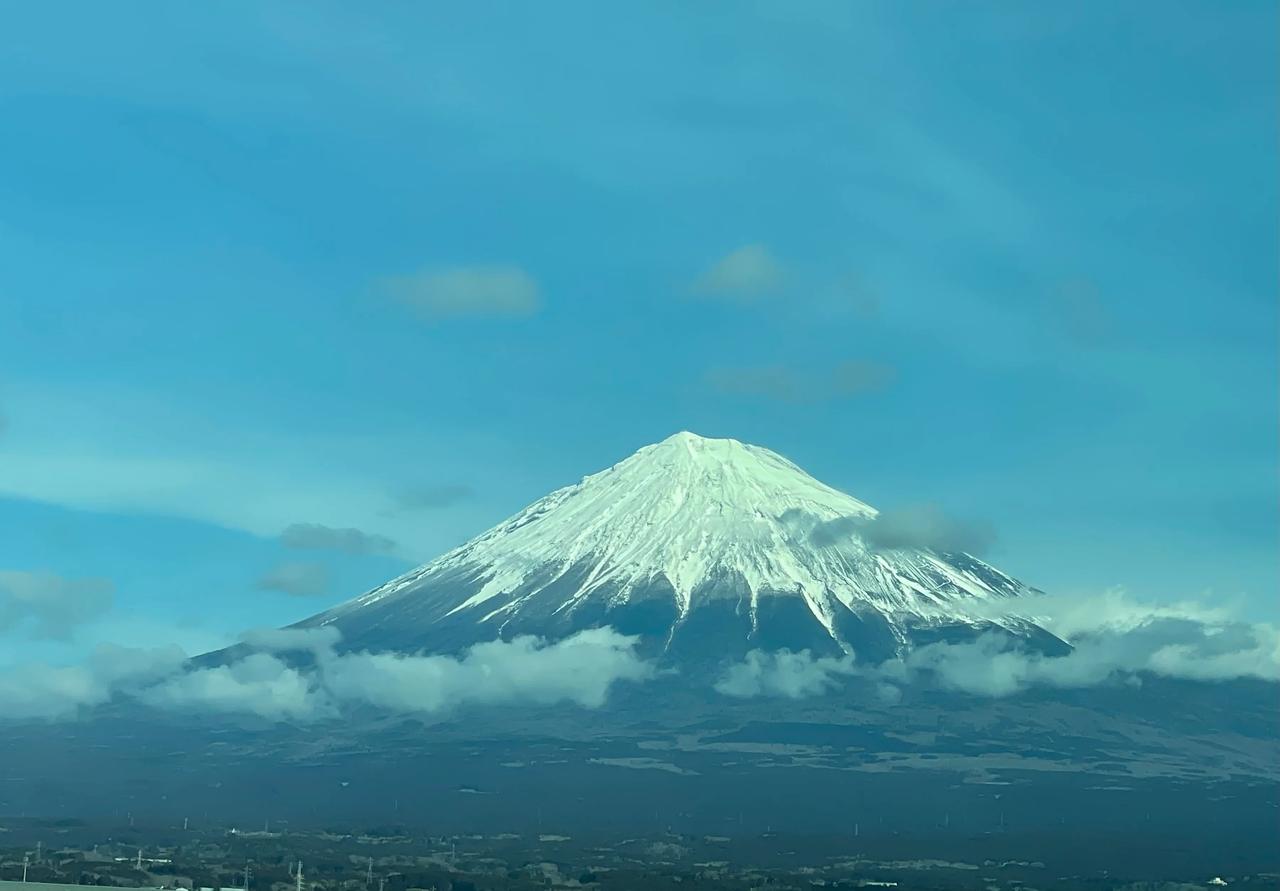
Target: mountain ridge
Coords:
[[704, 547]]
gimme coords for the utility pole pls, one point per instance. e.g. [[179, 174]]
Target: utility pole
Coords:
[[382, 883], [137, 862], [40, 850], [246, 876], [298, 877], [368, 876], [26, 861]]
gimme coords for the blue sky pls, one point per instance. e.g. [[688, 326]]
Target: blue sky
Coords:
[[405, 268]]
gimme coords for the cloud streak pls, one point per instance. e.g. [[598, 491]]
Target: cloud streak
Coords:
[[467, 292], [38, 690], [784, 674], [430, 497], [51, 606], [782, 383], [924, 526], [744, 275], [316, 536], [927, 526], [296, 579], [1081, 314]]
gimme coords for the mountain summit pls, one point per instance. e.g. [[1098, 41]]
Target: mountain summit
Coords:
[[705, 547]]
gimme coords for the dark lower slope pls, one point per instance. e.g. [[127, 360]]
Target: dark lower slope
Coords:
[[1190, 763]]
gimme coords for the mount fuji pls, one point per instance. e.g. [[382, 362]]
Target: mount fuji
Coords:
[[711, 556], [704, 548]]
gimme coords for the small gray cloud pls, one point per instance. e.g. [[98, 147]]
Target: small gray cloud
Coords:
[[784, 674], [467, 292], [785, 384], [771, 382], [50, 606], [296, 579], [851, 294], [855, 377], [747, 274], [1083, 317], [830, 533], [314, 536], [417, 498], [926, 526]]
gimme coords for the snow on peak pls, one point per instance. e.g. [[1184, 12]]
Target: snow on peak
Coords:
[[690, 510]]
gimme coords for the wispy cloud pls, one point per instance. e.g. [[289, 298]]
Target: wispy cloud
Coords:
[[927, 526], [850, 294], [747, 274], [49, 605], [467, 292], [924, 526], [316, 536], [52, 692], [1077, 307], [783, 383], [418, 498], [296, 579], [859, 376], [319, 640], [785, 674], [112, 451]]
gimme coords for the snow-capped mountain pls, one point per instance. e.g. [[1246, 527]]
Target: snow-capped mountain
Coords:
[[707, 548]]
